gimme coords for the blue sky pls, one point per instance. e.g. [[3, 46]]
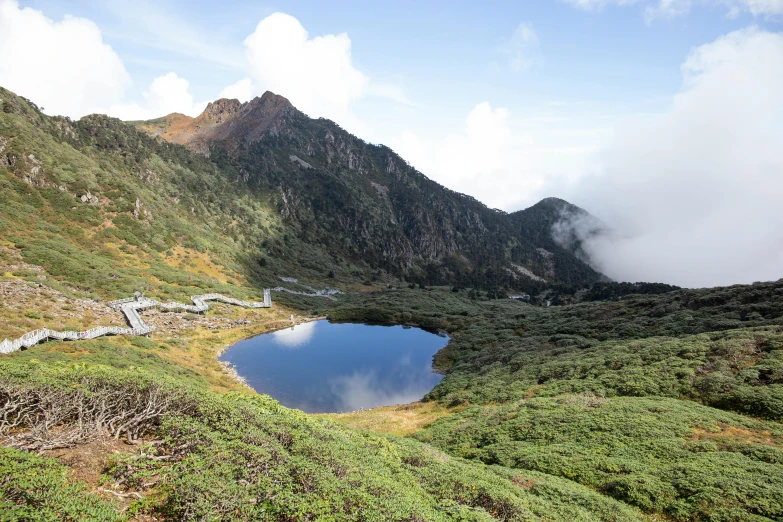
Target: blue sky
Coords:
[[658, 116], [603, 55]]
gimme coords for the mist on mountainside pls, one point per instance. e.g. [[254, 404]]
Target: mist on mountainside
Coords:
[[692, 196]]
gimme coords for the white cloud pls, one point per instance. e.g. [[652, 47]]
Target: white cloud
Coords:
[[295, 336], [242, 90], [168, 93], [316, 74], [362, 390], [694, 194], [62, 66], [758, 7], [529, 159], [667, 9], [520, 49], [672, 8], [66, 68]]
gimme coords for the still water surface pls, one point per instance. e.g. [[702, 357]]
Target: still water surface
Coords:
[[334, 367]]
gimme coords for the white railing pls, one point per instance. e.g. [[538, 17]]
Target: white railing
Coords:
[[114, 304], [130, 307], [327, 292]]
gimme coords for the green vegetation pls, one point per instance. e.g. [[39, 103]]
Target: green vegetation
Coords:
[[673, 457], [37, 488], [244, 457], [107, 210]]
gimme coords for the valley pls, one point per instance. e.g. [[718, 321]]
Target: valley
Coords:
[[620, 402]]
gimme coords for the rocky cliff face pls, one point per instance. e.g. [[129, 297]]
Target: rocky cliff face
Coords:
[[365, 202]]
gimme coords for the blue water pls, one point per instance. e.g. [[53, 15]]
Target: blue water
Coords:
[[324, 367]]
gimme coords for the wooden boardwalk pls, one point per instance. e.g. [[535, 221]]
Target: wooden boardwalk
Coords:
[[130, 307]]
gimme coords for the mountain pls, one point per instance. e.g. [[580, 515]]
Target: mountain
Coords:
[[364, 202], [261, 190]]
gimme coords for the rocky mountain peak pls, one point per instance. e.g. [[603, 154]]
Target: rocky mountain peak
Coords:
[[268, 106], [219, 111], [226, 120], [273, 101]]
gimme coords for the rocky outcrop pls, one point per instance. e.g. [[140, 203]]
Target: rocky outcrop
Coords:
[[227, 121]]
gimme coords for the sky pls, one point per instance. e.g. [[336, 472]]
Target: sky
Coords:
[[662, 118]]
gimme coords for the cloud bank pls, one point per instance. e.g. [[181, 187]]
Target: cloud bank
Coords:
[[168, 93], [295, 336], [62, 66], [66, 68], [316, 74], [364, 390], [694, 195], [502, 161]]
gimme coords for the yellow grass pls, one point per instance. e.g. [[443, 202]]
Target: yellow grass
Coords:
[[402, 420], [201, 262]]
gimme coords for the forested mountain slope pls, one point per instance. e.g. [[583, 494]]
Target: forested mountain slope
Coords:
[[363, 201]]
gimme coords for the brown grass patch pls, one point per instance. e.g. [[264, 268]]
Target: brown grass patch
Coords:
[[88, 461], [747, 435], [524, 482], [402, 420]]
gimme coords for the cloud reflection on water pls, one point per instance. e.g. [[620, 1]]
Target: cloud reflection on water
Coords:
[[295, 336], [362, 390]]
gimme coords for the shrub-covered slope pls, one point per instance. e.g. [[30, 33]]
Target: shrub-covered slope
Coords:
[[673, 457], [244, 457]]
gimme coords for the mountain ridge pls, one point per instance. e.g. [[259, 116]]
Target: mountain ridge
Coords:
[[318, 173]]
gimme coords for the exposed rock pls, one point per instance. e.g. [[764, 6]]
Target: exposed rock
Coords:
[[140, 211], [35, 172], [5, 158], [89, 199], [231, 122], [298, 161], [59, 310], [150, 177], [549, 262], [63, 124], [363, 202], [517, 270]]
